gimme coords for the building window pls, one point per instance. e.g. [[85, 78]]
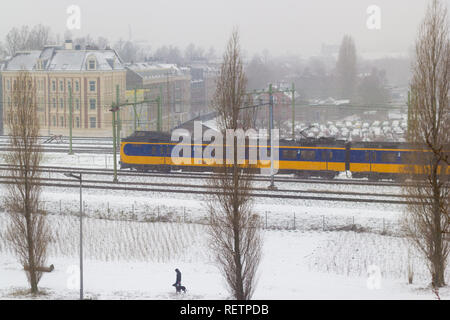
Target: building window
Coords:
[[8, 85], [77, 122], [54, 103], [92, 122], [62, 121], [69, 85], [77, 86], [92, 104], [53, 85], [92, 86], [61, 103], [77, 104], [61, 85], [54, 121], [91, 64]]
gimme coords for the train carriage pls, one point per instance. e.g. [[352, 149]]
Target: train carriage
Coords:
[[152, 151]]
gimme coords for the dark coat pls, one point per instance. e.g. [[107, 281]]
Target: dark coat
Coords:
[[178, 281]]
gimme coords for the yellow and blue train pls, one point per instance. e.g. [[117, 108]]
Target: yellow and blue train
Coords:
[[151, 151]]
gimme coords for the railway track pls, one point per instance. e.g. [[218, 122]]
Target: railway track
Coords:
[[205, 189], [199, 175], [79, 145], [65, 149]]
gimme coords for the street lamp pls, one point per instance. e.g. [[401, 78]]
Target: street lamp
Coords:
[[79, 178]]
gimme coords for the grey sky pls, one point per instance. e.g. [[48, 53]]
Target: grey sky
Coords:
[[282, 26]]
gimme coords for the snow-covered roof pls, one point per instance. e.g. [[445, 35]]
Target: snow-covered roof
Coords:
[[154, 70], [58, 59], [22, 61]]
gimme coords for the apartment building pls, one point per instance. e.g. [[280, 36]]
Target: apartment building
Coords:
[[65, 78], [167, 81], [203, 88]]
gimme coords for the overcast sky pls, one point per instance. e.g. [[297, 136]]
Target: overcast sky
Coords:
[[281, 26]]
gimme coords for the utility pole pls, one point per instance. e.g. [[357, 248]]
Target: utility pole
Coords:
[[115, 107], [272, 182], [70, 119], [118, 116], [79, 177], [271, 126], [134, 108], [409, 114], [114, 143], [115, 129], [293, 111], [160, 109], [169, 105]]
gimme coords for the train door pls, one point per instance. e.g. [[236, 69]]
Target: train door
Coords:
[[369, 157], [325, 158], [164, 154]]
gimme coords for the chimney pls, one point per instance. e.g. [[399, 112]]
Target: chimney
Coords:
[[68, 45]]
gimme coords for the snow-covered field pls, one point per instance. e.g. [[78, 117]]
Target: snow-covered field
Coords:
[[126, 261], [134, 241]]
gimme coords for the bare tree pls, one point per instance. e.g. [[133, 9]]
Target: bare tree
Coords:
[[346, 68], [27, 232], [26, 39], [234, 230], [427, 220]]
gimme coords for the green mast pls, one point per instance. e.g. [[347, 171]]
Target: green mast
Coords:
[[70, 120]]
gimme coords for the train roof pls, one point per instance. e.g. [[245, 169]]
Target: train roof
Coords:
[[382, 145], [323, 141], [156, 136], [148, 136]]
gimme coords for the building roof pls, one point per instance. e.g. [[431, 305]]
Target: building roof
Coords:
[[151, 70], [59, 59]]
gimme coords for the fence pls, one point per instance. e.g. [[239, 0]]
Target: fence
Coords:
[[270, 220]]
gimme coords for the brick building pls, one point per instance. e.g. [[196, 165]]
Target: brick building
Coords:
[[91, 76]]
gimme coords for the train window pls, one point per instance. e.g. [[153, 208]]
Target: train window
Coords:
[[145, 149], [289, 154], [308, 155], [388, 157], [327, 155], [367, 156], [154, 150]]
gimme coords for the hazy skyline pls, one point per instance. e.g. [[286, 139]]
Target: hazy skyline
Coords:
[[282, 27]]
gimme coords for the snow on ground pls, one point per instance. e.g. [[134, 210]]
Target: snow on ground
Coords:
[[163, 206], [134, 241], [286, 272], [275, 213]]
